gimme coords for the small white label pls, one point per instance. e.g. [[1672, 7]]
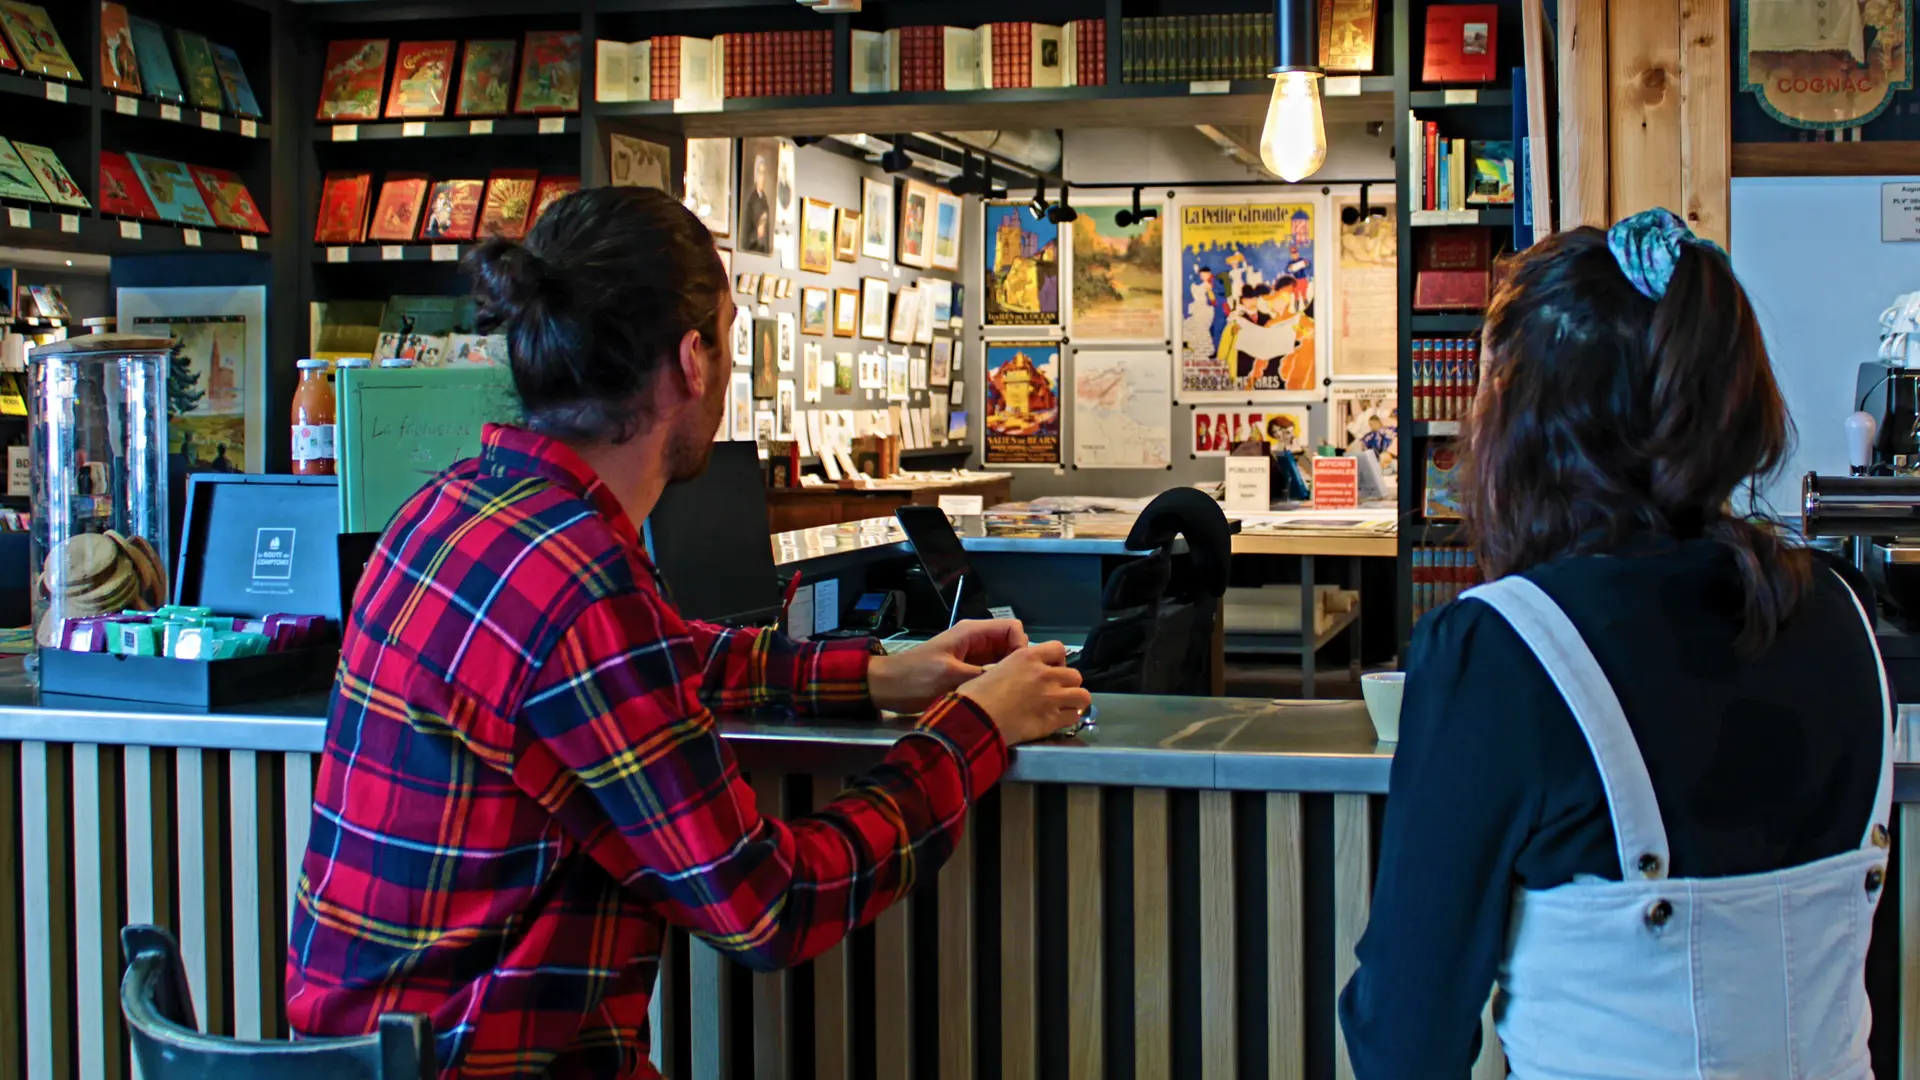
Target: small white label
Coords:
[[250, 129], [209, 121], [129, 230], [479, 127], [170, 112], [1210, 86], [313, 442], [1340, 86], [19, 471], [56, 91], [1899, 212], [1461, 97], [190, 237], [336, 254], [963, 505], [249, 243], [19, 219], [413, 129], [347, 133], [553, 125], [446, 252], [69, 223], [390, 253], [125, 106], [1247, 491]]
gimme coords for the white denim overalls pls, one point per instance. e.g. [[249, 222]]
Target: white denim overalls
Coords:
[[1754, 977]]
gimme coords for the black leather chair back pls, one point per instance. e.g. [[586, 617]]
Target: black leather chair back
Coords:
[[168, 1045], [1180, 659], [1115, 652]]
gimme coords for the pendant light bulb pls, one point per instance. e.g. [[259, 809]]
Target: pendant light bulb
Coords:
[[1293, 143]]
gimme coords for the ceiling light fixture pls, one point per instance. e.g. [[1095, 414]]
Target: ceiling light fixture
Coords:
[[1038, 204], [1063, 214], [1293, 142], [1136, 215], [895, 159]]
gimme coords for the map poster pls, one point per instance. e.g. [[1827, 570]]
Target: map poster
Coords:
[[1366, 418], [1022, 403], [1217, 430], [1366, 298], [1119, 282], [1247, 288], [1121, 409], [1022, 271]]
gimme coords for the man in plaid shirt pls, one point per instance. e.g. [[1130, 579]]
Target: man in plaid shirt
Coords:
[[522, 786]]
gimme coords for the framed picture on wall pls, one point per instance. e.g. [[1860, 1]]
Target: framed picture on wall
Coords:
[[846, 236], [873, 308], [906, 313], [709, 183], [813, 311], [916, 225], [759, 170], [223, 336], [876, 218], [846, 312], [946, 230], [816, 236]]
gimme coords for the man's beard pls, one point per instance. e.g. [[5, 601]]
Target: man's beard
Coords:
[[693, 445]]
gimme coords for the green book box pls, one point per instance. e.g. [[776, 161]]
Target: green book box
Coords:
[[399, 427]]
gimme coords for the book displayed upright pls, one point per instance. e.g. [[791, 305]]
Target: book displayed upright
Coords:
[[486, 78], [396, 216], [508, 203], [175, 196], [1347, 34], [16, 178], [228, 199], [549, 73], [1440, 501], [195, 54], [1461, 43], [453, 210], [352, 79], [35, 41], [551, 190], [344, 198], [121, 192], [119, 64], [157, 75], [422, 73], [1451, 269], [51, 174], [233, 80]]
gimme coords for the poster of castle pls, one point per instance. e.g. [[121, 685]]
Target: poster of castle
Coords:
[[206, 389], [1022, 273], [1022, 403], [1119, 291], [1247, 295]]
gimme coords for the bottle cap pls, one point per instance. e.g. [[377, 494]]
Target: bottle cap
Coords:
[[353, 362], [312, 365]]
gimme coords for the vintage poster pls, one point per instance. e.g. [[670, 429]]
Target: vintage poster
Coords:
[[1247, 302], [1022, 403], [1825, 65], [206, 389], [635, 162], [1366, 298], [1022, 267], [1217, 429], [1122, 405], [1366, 418], [709, 183], [1119, 288]]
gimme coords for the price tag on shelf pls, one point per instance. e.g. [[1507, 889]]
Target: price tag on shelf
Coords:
[[553, 125], [1340, 86], [390, 253], [446, 253], [1462, 97], [69, 223], [413, 129], [1210, 86], [209, 121], [129, 230], [249, 243], [190, 237], [336, 254], [479, 127], [19, 219], [170, 112], [347, 133], [250, 129], [56, 91], [125, 106]]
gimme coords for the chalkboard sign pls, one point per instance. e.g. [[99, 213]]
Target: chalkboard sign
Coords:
[[399, 427]]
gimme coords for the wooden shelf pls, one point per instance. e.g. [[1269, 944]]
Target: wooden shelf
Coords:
[[1459, 98], [473, 127], [85, 232], [1127, 105], [45, 89], [1495, 216], [1887, 157], [342, 254], [1446, 324], [167, 112]]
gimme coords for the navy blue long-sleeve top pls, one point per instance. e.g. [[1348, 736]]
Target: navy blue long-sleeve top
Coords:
[[1758, 763]]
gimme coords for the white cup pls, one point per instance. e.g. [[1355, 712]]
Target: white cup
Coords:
[[1382, 691]]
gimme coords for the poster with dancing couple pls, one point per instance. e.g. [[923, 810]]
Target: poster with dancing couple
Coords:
[[1248, 295]]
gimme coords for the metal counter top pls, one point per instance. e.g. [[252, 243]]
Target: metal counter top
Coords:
[[1040, 534]]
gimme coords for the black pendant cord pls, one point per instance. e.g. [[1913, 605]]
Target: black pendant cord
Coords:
[[1296, 36]]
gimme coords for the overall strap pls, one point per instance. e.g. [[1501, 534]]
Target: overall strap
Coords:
[[1883, 797], [1637, 829]]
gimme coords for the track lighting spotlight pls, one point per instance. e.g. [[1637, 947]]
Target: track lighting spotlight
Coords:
[[896, 159], [1038, 205], [1063, 214], [966, 183], [1136, 215]]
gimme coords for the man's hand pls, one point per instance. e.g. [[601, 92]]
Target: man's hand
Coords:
[[909, 681]]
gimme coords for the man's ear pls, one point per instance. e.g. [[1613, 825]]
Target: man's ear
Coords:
[[693, 366]]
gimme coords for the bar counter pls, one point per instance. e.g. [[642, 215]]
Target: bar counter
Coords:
[[1175, 893]]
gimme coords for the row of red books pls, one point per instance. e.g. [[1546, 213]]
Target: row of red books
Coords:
[[412, 206], [1446, 375], [1440, 574], [158, 189], [784, 63], [354, 84]]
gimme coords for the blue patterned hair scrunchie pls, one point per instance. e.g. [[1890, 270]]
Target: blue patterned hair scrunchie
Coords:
[[1648, 245]]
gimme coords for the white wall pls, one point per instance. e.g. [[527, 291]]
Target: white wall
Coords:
[[1809, 252]]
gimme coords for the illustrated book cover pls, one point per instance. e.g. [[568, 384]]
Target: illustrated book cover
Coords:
[[196, 64], [1490, 176], [343, 208], [53, 176], [119, 62], [453, 210], [550, 73], [175, 196], [16, 179], [422, 71], [233, 79], [35, 42], [350, 87], [1441, 503], [157, 75], [396, 216], [120, 189], [508, 203], [551, 190], [486, 78], [229, 200]]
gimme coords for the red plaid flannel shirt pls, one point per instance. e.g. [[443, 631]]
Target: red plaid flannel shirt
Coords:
[[522, 785]]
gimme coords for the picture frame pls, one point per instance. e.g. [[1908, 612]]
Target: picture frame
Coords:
[[233, 316], [635, 162], [915, 246], [846, 235], [816, 236], [759, 175], [768, 283], [814, 311], [747, 284], [846, 312], [873, 308], [947, 211], [940, 369], [906, 313], [876, 218], [708, 183], [782, 288]]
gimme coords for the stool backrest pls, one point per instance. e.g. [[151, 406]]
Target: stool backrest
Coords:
[[168, 1045]]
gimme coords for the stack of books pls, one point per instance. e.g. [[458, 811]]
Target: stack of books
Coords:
[[782, 63], [996, 56], [1184, 48]]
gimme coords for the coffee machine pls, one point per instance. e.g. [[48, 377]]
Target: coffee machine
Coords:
[[1890, 394]]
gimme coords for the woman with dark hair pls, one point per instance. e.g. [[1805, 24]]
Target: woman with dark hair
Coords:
[[522, 786], [1644, 779]]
